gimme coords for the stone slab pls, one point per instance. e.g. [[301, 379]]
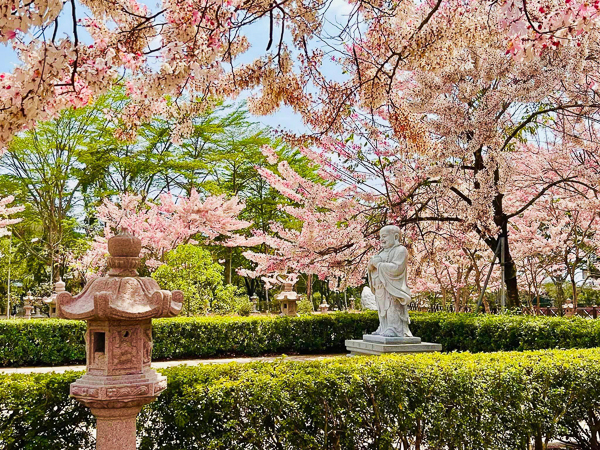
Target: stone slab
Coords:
[[360, 347], [391, 340]]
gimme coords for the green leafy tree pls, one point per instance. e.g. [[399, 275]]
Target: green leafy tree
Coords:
[[192, 270]]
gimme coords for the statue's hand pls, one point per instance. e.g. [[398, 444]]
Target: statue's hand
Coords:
[[374, 262]]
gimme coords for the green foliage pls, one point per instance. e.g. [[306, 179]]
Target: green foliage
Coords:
[[48, 342], [191, 269], [245, 308], [258, 335], [495, 401], [304, 306], [59, 342], [63, 169], [37, 413], [587, 296]]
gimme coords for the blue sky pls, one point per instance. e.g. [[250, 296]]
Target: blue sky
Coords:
[[258, 36]]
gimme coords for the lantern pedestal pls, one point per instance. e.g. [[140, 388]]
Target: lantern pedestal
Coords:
[[115, 428]]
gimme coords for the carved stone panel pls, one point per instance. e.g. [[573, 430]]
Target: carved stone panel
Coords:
[[147, 342], [126, 348], [78, 391], [128, 391]]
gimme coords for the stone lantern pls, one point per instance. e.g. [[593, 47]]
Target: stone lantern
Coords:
[[28, 304], [287, 298], [324, 307], [59, 287], [352, 303], [119, 309], [254, 300]]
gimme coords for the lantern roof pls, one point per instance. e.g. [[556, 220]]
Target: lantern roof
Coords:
[[122, 294]]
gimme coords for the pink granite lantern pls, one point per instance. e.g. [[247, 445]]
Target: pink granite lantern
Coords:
[[28, 304], [119, 309], [324, 307], [59, 287], [287, 297]]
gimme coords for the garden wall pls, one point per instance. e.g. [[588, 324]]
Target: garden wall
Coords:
[[453, 401], [60, 342]]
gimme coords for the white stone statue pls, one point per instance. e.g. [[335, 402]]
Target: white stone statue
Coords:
[[367, 299], [387, 278]]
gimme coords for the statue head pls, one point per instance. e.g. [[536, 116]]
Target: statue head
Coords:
[[389, 236]]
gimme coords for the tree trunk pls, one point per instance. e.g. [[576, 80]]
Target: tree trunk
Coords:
[[486, 305], [512, 290], [560, 296], [510, 272], [575, 293], [228, 267]]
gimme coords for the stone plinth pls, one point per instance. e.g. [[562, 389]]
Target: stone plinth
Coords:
[[119, 310], [391, 340], [402, 345]]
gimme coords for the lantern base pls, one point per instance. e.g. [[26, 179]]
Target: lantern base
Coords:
[[118, 391]]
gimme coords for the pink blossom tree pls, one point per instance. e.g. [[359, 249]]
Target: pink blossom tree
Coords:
[[5, 212], [191, 49], [162, 226]]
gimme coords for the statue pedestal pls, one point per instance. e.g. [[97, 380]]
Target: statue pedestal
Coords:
[[372, 344]]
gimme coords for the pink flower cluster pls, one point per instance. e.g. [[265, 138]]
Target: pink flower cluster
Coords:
[[162, 226]]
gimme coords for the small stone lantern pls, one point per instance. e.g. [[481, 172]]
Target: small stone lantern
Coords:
[[324, 307], [352, 303], [569, 309], [59, 287], [28, 304], [254, 300], [119, 309], [287, 298]]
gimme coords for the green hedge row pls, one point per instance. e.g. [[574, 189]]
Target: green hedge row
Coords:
[[61, 342], [500, 401], [56, 342]]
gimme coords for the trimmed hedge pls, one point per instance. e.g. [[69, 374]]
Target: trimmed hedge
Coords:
[[56, 342], [61, 342], [498, 401]]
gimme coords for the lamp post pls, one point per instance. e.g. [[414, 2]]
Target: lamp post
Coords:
[[352, 303], [8, 286], [8, 289]]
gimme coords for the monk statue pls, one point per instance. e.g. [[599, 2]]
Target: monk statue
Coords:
[[387, 278]]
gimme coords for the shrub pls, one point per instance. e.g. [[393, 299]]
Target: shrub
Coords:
[[37, 413], [499, 401], [245, 308], [305, 306], [60, 342], [261, 335]]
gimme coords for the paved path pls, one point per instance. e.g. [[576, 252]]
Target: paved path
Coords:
[[162, 364]]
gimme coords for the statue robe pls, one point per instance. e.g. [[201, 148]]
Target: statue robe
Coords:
[[392, 293]]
